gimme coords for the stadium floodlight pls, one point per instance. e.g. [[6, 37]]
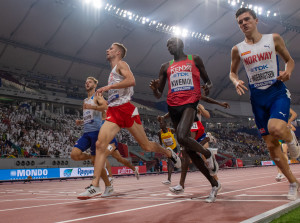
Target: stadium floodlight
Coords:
[[97, 4], [150, 23]]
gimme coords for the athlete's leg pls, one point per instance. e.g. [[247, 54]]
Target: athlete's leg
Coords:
[[108, 167], [278, 129], [278, 157], [106, 135], [184, 167], [170, 169], [78, 155], [116, 154], [103, 174], [199, 163], [183, 131]]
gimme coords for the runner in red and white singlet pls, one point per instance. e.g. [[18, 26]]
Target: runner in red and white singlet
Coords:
[[120, 114]]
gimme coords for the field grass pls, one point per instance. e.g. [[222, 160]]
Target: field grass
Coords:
[[290, 217]]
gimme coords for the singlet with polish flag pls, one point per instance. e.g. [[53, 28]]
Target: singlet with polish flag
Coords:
[[260, 62], [121, 96], [184, 82], [92, 118]]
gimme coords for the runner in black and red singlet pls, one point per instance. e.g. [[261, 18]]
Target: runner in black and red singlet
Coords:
[[183, 76]]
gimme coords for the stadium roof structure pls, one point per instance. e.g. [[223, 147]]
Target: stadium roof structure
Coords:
[[68, 38]]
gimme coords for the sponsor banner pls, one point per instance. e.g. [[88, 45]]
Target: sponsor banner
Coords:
[[123, 170], [165, 166], [77, 172], [239, 162], [23, 174], [267, 163]]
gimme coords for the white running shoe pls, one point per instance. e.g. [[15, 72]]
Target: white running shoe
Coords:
[[175, 159], [177, 189], [166, 182], [90, 192], [293, 192], [108, 191], [111, 180], [279, 177], [136, 173], [212, 164], [213, 194], [294, 147]]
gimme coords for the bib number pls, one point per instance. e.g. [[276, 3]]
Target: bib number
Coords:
[[88, 116], [181, 81]]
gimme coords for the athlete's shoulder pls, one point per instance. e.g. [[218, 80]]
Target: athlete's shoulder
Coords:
[[276, 36], [165, 66], [122, 64]]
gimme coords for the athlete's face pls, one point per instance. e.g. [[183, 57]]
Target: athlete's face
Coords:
[[163, 125], [173, 46], [89, 85], [247, 23], [112, 52]]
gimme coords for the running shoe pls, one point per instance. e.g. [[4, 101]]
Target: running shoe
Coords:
[[279, 177], [294, 147], [213, 194], [108, 191], [293, 192], [177, 189], [111, 180], [90, 192], [166, 182], [175, 159], [136, 173], [212, 164]]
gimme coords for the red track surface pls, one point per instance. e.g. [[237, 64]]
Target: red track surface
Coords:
[[246, 193]]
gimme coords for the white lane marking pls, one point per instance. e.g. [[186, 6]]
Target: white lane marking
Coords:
[[118, 212], [261, 195]]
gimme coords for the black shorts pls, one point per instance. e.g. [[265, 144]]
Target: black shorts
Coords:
[[176, 112]]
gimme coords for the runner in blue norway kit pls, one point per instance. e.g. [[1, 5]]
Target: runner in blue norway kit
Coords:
[[270, 98]]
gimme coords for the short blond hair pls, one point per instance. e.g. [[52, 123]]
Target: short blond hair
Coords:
[[122, 48], [94, 79]]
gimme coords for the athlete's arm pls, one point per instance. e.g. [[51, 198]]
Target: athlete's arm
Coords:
[[158, 85], [159, 136], [235, 62], [202, 111], [284, 53], [165, 116], [124, 70], [102, 104], [79, 122], [203, 74], [212, 101], [293, 117]]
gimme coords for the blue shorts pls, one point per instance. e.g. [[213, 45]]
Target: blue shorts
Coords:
[[274, 102], [88, 140], [201, 137]]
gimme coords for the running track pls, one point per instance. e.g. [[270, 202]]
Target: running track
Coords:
[[246, 193]]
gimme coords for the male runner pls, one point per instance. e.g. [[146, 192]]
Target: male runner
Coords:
[[183, 75], [93, 107], [166, 138], [270, 98], [120, 114]]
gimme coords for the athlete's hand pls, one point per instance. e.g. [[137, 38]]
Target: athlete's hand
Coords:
[[154, 84], [103, 89], [86, 106], [225, 105], [240, 87], [284, 76], [78, 122]]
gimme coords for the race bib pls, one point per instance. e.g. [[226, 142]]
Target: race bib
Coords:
[[195, 126], [168, 141], [88, 116], [181, 81], [262, 79]]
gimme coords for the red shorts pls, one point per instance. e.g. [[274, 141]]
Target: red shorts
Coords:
[[123, 115], [199, 128]]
